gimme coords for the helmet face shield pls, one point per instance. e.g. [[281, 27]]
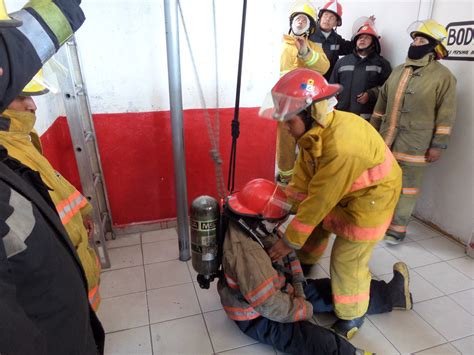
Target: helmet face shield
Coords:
[[282, 107], [38, 86], [262, 199], [277, 206], [294, 92]]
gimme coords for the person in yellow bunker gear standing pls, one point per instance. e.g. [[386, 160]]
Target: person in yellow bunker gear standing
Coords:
[[346, 181], [22, 142], [297, 52], [415, 113]]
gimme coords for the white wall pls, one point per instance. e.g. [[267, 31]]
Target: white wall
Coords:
[[123, 50], [447, 198]]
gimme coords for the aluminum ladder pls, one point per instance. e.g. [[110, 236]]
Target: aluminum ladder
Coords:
[[81, 127]]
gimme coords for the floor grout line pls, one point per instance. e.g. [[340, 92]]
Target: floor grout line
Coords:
[[383, 334], [125, 294], [432, 327], [146, 298], [123, 330], [434, 347], [202, 313]]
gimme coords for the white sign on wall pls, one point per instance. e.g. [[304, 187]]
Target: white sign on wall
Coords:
[[460, 40]]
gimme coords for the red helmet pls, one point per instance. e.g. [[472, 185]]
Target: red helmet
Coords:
[[334, 7], [260, 198], [294, 92], [368, 29]]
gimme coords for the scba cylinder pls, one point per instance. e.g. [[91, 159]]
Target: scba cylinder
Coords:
[[204, 217]]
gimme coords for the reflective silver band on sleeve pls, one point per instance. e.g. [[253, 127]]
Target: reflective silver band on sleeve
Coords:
[[36, 34], [346, 68], [376, 68]]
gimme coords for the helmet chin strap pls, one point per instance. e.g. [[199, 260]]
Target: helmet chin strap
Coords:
[[365, 51], [332, 102]]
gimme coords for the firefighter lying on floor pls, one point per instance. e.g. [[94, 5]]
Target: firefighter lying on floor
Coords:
[[272, 303]]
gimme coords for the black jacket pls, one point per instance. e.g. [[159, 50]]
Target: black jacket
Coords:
[[359, 75], [333, 47], [43, 290]]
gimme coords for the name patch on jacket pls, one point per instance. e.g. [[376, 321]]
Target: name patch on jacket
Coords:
[[21, 223]]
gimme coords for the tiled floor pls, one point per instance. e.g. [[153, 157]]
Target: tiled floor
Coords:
[[152, 304]]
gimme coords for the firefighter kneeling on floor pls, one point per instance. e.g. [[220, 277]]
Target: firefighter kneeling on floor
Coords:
[[270, 301], [345, 181]]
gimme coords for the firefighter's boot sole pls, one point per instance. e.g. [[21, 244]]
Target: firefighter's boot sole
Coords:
[[348, 328]]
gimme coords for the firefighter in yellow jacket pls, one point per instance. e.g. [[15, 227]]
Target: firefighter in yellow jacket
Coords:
[[415, 113], [271, 301], [22, 142], [346, 181], [297, 52]]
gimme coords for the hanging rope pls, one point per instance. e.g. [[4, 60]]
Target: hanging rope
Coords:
[[213, 132], [235, 121]]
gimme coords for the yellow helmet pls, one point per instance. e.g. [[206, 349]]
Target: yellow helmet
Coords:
[[434, 30], [37, 86], [303, 7]]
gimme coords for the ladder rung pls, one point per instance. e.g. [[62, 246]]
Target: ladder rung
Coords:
[[88, 137], [79, 90], [96, 179], [104, 220]]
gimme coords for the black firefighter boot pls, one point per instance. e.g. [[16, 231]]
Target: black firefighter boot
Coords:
[[347, 328], [394, 238], [399, 287]]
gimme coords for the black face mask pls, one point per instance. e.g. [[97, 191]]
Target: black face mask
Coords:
[[418, 52]]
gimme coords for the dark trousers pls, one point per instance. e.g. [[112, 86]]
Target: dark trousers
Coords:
[[305, 337]]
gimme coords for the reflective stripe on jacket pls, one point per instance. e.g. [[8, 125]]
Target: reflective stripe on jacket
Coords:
[[416, 109], [345, 177], [253, 287], [47, 24], [358, 75], [43, 287], [70, 204]]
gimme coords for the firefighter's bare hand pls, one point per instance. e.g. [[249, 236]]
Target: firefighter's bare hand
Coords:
[[279, 250], [302, 46], [433, 155], [362, 98], [372, 18], [89, 225]]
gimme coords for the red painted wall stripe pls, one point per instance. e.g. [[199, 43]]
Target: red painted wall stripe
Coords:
[[137, 158]]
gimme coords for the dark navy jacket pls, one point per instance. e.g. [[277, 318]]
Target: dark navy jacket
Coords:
[[333, 47], [358, 75], [43, 290]]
